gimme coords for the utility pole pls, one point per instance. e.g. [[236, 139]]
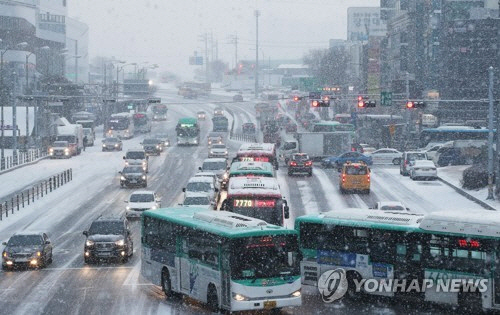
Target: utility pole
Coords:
[[490, 136], [408, 112], [206, 58], [234, 40], [14, 117], [257, 14]]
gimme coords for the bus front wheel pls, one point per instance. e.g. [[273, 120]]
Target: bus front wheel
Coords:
[[166, 284], [212, 300]]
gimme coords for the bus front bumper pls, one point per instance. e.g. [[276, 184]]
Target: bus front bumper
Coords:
[[272, 303]]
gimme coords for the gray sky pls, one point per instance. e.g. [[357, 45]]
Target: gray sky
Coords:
[[167, 32]]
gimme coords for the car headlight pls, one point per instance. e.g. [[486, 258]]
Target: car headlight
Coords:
[[157, 146], [120, 243], [116, 145], [38, 254], [126, 163], [103, 145], [225, 176], [122, 178], [5, 254], [296, 293], [51, 150], [66, 150], [89, 243], [127, 208], [144, 163], [195, 141], [154, 207], [239, 297], [144, 177], [225, 152]]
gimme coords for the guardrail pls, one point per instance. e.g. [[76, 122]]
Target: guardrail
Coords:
[[28, 196], [21, 158]]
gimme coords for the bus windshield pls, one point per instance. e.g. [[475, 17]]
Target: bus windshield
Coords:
[[264, 257], [262, 208], [118, 124], [140, 120], [160, 109]]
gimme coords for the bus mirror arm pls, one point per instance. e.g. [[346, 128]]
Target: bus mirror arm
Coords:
[[287, 212]]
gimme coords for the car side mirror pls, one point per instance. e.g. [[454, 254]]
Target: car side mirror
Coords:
[[102, 140], [86, 233], [140, 142], [216, 189], [199, 168], [4, 243], [184, 189], [119, 172], [124, 158], [180, 204], [126, 201], [408, 209], [47, 242], [128, 232], [429, 158]]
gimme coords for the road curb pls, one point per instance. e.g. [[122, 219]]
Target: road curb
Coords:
[[22, 165], [467, 195]]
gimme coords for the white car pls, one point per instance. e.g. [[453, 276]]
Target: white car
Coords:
[[390, 206], [211, 175], [216, 165], [140, 201], [432, 152], [203, 185], [217, 150], [385, 156], [423, 169], [198, 200]]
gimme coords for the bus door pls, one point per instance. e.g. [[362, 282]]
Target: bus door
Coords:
[[408, 264], [225, 277], [184, 268]]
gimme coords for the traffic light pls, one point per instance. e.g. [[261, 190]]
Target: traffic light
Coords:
[[363, 103], [320, 103], [415, 104]]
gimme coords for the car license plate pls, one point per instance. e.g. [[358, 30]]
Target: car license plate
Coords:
[[269, 304], [425, 169], [104, 254], [133, 181]]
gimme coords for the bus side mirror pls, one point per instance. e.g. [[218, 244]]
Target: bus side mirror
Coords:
[[287, 211]]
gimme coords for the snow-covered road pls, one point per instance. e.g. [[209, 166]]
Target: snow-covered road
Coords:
[[69, 286]]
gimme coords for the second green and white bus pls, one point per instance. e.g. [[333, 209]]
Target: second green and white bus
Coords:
[[378, 245], [228, 261]]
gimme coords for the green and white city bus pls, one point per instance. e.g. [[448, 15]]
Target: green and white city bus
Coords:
[[374, 244], [226, 260], [188, 131]]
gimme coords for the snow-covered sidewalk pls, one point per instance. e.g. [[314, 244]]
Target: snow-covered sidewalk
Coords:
[[453, 176]]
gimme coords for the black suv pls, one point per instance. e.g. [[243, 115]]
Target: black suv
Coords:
[[134, 175], [152, 146], [108, 238], [300, 163], [28, 249]]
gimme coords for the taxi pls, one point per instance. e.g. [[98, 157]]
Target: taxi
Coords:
[[355, 177]]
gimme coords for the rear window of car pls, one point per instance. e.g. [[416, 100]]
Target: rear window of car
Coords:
[[356, 170], [416, 156]]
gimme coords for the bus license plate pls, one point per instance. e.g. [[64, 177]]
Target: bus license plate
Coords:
[[269, 304]]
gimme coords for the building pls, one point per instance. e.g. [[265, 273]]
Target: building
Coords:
[[363, 22], [39, 38]]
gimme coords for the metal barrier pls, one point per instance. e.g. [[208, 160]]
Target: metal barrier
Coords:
[[27, 196], [21, 158], [242, 137]]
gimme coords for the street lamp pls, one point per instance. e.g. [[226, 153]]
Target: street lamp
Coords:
[[2, 100]]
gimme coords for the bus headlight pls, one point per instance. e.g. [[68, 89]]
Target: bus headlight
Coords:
[[225, 176], [157, 146], [127, 208], [296, 293], [104, 145], [116, 145], [122, 178], [144, 177], [154, 207], [239, 297], [120, 243], [89, 243]]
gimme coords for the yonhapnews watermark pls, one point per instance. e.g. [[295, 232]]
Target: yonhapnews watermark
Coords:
[[333, 285]]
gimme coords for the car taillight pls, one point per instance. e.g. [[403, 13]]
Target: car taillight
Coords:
[[293, 163], [406, 162], [308, 163], [343, 178], [368, 177]]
